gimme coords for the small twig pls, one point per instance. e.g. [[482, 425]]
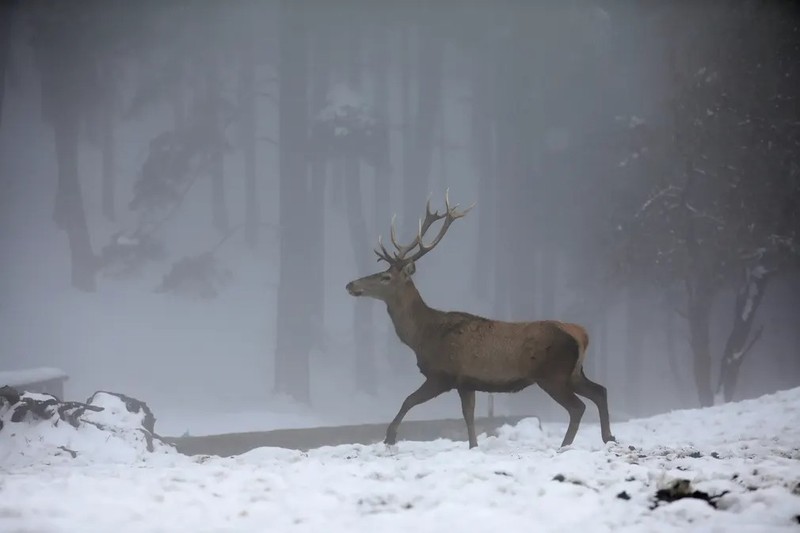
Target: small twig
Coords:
[[656, 196], [267, 139], [72, 453], [703, 214]]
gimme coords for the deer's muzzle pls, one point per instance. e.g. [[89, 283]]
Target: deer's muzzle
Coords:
[[353, 290]]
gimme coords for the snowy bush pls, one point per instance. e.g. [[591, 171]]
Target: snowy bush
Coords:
[[126, 255], [198, 276], [164, 174], [39, 428], [347, 126]]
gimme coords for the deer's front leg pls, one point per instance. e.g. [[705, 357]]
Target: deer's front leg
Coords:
[[468, 410], [427, 391]]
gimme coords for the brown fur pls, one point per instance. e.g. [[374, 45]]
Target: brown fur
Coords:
[[470, 353]]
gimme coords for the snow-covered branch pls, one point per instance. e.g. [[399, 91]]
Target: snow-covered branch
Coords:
[[670, 190], [703, 214]]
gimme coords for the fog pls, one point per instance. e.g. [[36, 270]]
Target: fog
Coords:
[[187, 187]]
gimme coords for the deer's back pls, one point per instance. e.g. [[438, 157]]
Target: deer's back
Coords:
[[498, 356]]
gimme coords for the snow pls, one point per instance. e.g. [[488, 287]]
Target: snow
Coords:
[[30, 375], [635, 121], [516, 480], [342, 100], [719, 397], [759, 271]]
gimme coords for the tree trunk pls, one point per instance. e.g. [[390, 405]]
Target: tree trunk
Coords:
[[482, 140], [6, 15], [634, 352], [63, 76], [178, 101], [363, 328], [429, 100], [69, 213], [671, 348], [441, 181], [548, 262], [534, 210], [406, 98], [503, 240], [293, 342], [316, 215], [699, 315], [515, 272], [213, 99], [601, 352], [748, 299], [247, 121], [107, 147], [398, 352], [506, 161], [383, 168]]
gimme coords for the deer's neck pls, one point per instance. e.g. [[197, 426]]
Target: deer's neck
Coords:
[[409, 314]]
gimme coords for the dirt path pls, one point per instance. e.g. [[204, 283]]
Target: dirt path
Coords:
[[307, 438]]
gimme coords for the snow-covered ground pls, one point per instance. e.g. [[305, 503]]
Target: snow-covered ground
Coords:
[[516, 481]]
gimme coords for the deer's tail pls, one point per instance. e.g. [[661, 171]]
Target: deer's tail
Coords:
[[581, 336]]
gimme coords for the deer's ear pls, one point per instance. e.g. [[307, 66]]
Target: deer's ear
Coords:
[[409, 269]]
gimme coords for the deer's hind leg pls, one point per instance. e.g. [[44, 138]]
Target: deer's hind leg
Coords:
[[562, 392], [599, 395]]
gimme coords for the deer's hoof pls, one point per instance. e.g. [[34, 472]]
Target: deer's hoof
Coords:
[[609, 438], [392, 449]]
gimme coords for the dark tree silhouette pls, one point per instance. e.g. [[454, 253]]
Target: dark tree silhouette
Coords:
[[293, 343]]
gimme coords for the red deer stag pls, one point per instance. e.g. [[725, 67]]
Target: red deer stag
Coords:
[[470, 353]]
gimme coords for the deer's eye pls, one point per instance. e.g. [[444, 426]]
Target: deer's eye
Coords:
[[385, 278]]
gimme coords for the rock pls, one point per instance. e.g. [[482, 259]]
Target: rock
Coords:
[[9, 394], [682, 488]]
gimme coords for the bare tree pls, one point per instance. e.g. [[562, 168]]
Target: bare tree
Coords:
[[725, 216], [62, 40]]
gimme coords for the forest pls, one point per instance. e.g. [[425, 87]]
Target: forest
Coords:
[[187, 186]]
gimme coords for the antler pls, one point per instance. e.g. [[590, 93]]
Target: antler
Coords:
[[450, 215]]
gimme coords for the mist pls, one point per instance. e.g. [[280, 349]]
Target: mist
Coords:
[[187, 187]]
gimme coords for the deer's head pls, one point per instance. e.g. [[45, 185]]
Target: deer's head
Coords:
[[402, 263]]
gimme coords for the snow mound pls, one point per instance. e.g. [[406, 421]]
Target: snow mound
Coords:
[[39, 429], [770, 422]]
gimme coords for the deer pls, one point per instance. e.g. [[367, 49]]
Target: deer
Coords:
[[470, 353]]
